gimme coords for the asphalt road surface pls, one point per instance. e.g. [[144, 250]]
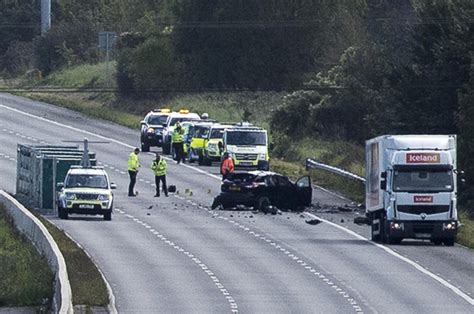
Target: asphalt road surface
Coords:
[[176, 255]]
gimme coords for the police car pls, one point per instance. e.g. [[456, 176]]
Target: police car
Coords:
[[151, 130], [85, 190], [173, 118]]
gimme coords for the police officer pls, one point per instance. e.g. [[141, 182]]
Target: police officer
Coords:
[[178, 142], [159, 168], [133, 165]]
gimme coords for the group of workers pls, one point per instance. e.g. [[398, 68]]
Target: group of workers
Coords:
[[160, 167]]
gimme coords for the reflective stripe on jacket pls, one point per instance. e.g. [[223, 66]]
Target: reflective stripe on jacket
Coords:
[[178, 135], [133, 163], [159, 167]]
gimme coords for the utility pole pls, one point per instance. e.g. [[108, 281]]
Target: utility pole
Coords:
[[45, 16]]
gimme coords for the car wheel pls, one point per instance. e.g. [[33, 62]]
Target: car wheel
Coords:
[[145, 148], [263, 204], [207, 161], [437, 242], [62, 212], [108, 216], [190, 156], [394, 240], [448, 242]]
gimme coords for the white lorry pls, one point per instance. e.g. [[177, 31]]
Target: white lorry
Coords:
[[411, 188]]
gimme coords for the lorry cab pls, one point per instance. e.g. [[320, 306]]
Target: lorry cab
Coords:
[[411, 188], [248, 146]]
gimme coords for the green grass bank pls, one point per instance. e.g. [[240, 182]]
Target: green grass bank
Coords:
[[255, 107], [25, 277]]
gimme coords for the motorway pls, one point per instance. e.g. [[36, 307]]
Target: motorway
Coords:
[[176, 255]]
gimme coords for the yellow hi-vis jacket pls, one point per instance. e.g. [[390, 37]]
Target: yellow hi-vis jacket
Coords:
[[159, 167], [178, 135], [133, 163]]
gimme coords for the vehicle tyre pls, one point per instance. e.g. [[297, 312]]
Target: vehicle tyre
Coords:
[[375, 226], [190, 156], [437, 242], [62, 212], [108, 216], [448, 242], [394, 240], [145, 148], [166, 148], [207, 161], [263, 204]]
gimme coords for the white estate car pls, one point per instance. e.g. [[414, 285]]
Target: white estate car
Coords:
[[85, 191]]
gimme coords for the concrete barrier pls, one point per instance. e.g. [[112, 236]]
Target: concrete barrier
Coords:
[[34, 230]]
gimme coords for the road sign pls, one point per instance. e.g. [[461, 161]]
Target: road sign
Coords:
[[107, 40]]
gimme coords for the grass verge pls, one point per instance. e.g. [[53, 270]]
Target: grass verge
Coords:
[[252, 106], [466, 231], [25, 277], [88, 287]]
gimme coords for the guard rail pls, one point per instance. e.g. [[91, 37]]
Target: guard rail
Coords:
[[312, 164]]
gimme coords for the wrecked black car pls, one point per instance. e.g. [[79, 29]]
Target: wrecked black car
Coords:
[[264, 189]]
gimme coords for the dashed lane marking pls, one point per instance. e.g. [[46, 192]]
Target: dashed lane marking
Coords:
[[223, 290], [417, 266]]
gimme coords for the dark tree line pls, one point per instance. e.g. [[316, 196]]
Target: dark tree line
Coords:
[[354, 69], [412, 75]]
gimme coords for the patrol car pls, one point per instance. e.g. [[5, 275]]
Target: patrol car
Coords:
[[173, 117], [196, 140], [86, 190], [151, 131], [212, 146]]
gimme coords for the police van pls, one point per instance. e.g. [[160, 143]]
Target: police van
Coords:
[[248, 146]]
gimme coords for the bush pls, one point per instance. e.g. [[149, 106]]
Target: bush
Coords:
[[67, 43], [18, 58]]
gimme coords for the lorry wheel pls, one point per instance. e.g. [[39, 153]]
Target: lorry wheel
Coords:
[[448, 242], [376, 227], [145, 148], [108, 216]]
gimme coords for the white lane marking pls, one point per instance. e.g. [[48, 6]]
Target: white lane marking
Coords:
[[100, 136], [401, 257], [417, 266], [230, 300]]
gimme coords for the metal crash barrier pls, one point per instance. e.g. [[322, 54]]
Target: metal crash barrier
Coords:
[[312, 164]]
